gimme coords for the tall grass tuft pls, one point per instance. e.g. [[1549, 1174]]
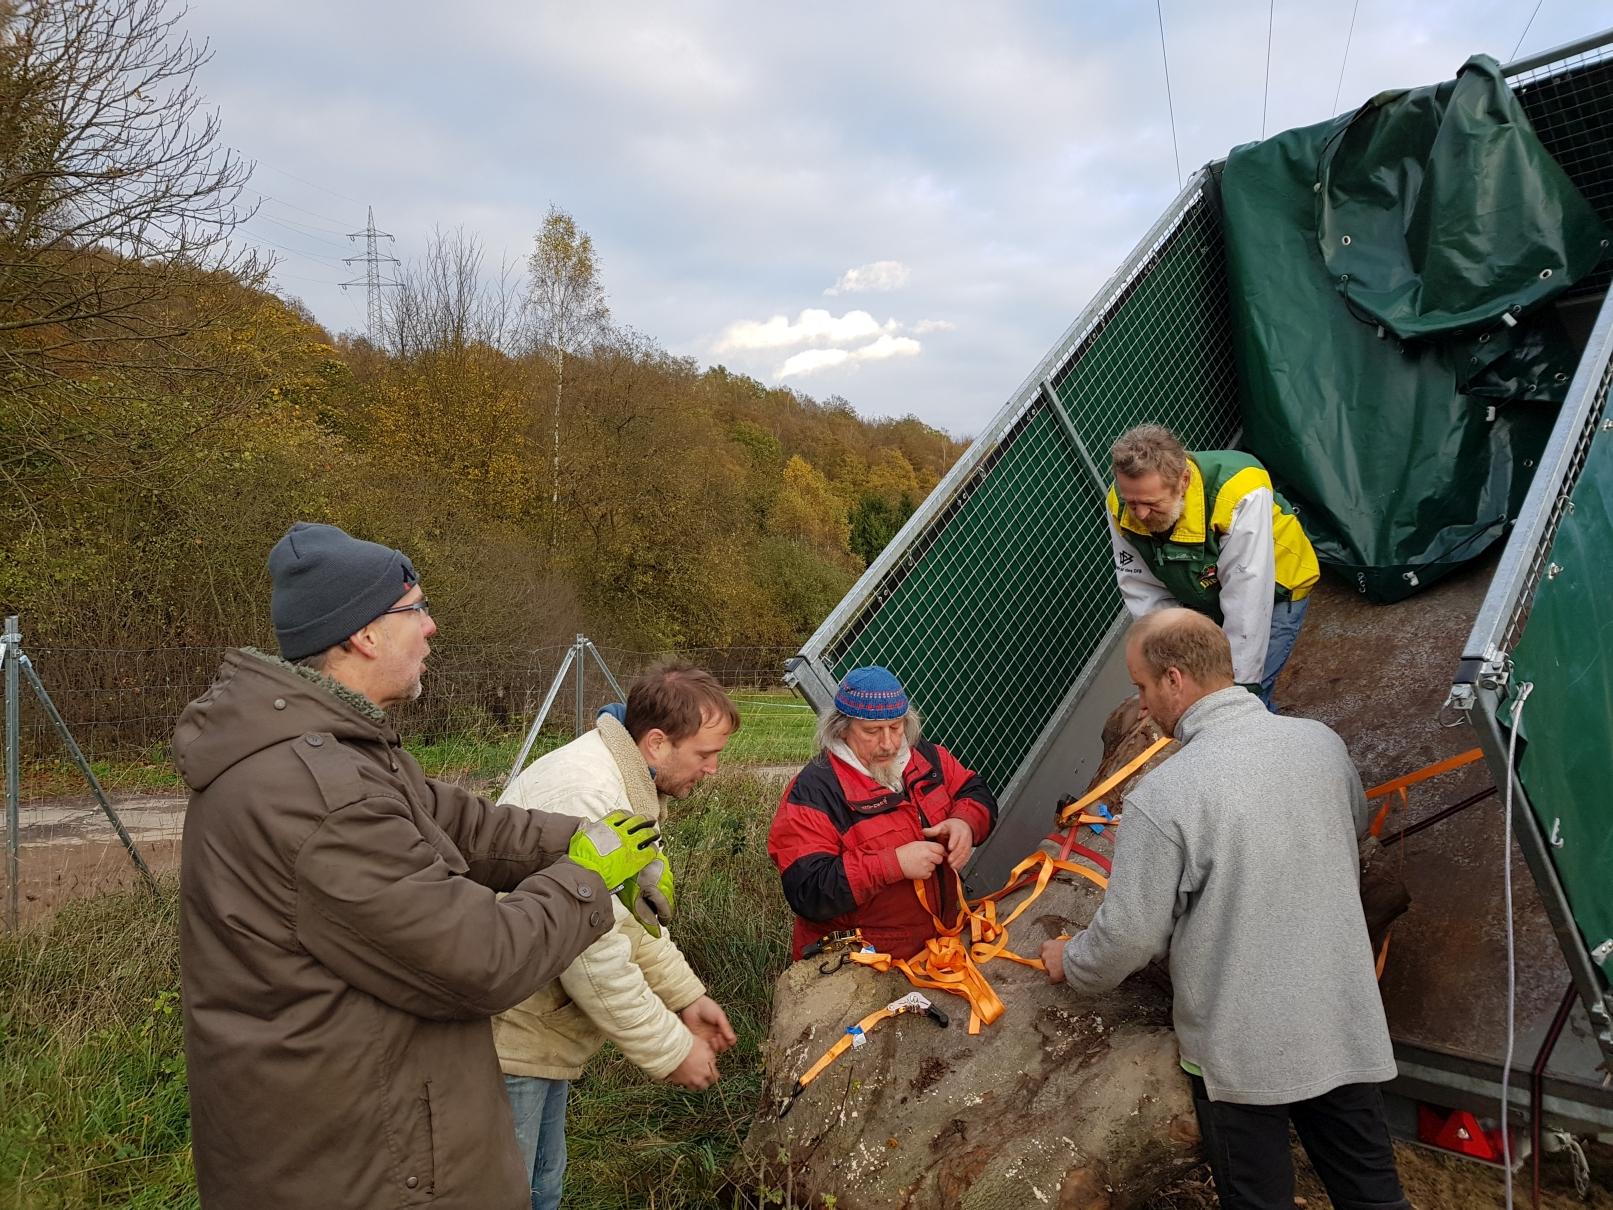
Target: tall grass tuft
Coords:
[[92, 1070], [636, 1145]]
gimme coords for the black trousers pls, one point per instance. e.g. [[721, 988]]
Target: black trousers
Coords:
[[1345, 1133]]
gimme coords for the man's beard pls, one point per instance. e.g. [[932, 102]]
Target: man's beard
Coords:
[[1163, 523], [888, 773]]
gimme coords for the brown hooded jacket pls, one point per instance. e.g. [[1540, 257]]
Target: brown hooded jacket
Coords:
[[342, 951]]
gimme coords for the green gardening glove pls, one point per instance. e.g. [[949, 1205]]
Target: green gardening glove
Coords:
[[649, 895], [616, 847]]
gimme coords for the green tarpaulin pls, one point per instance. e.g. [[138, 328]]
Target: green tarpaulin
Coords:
[[1392, 275]]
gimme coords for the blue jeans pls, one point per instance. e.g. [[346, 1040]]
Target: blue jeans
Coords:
[[539, 1107], [1286, 619]]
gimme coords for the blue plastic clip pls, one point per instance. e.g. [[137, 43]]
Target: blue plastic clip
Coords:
[[1103, 810]]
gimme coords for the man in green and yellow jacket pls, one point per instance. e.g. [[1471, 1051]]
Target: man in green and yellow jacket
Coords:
[[1208, 531]]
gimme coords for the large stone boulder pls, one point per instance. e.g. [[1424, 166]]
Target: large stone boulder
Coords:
[[1066, 1100]]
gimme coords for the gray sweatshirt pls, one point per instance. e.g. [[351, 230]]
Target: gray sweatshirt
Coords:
[[1238, 857]]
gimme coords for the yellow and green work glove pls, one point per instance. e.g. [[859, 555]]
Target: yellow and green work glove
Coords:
[[649, 895], [616, 848]]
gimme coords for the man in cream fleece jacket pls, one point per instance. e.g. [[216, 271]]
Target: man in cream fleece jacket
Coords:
[[1237, 858], [629, 987]]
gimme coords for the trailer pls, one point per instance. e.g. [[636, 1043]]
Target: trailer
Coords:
[[997, 605]]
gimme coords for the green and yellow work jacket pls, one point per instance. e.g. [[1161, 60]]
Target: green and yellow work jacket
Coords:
[[1236, 551]]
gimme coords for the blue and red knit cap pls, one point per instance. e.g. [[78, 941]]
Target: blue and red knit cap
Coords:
[[872, 693]]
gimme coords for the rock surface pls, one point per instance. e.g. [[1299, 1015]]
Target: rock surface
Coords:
[[1066, 1101]]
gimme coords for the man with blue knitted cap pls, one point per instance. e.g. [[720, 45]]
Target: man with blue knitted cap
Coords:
[[343, 946], [878, 809]]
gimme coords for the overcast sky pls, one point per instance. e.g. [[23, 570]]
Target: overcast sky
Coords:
[[901, 203]]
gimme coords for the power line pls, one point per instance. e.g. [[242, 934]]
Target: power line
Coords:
[[1347, 37], [256, 160], [1160, 13], [295, 229], [279, 201], [318, 281], [1526, 26], [1265, 94], [332, 261]]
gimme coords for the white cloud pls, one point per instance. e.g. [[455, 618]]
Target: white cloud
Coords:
[[812, 360], [882, 275], [926, 326], [812, 326], [888, 346]]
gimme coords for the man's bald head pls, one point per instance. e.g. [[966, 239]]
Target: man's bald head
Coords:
[[1175, 657], [1188, 640]]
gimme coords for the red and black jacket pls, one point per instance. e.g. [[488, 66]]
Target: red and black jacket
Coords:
[[835, 837]]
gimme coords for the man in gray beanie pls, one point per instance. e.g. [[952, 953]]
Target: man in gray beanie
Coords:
[[342, 943]]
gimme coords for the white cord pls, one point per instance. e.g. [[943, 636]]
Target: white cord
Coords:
[[1524, 690]]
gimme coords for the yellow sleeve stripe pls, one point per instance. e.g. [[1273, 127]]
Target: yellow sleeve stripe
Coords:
[[1233, 490], [1297, 569]]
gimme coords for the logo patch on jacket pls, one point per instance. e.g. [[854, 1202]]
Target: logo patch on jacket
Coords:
[[1210, 578], [1124, 558]]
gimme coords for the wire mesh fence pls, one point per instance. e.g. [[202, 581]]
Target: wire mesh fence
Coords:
[[1570, 105], [1007, 592], [478, 701]]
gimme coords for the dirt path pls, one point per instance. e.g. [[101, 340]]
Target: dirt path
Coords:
[[70, 851]]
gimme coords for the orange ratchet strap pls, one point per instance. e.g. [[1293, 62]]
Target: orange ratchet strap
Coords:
[[947, 963], [913, 1002], [1400, 785], [1075, 813]]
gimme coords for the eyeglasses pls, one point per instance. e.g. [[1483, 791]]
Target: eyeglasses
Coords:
[[420, 606]]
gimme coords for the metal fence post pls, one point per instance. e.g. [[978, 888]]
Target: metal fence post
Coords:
[[610, 677], [12, 642], [537, 721], [18, 659], [578, 651]]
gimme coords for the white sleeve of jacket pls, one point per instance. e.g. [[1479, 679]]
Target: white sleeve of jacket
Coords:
[[1140, 588], [667, 971], [1248, 571], [1134, 923], [608, 984]]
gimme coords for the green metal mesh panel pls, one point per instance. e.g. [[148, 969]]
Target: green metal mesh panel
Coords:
[[1005, 594], [1164, 352], [1570, 104], [1563, 651]]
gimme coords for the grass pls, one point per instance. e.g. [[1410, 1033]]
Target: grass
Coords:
[[775, 728], [92, 1073], [92, 1080]]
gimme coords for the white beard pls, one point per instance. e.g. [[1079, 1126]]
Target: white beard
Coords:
[[888, 773]]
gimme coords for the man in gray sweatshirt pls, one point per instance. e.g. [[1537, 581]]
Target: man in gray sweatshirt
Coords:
[[1237, 858]]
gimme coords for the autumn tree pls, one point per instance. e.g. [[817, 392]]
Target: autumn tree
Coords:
[[117, 204], [566, 306]]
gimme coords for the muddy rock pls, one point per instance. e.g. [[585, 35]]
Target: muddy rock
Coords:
[[1066, 1100]]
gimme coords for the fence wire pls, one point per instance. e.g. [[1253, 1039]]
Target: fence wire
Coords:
[[1570, 105], [478, 700]]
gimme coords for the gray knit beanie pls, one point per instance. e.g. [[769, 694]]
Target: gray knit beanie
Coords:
[[329, 585]]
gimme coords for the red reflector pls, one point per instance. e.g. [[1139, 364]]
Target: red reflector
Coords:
[[1459, 1132]]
